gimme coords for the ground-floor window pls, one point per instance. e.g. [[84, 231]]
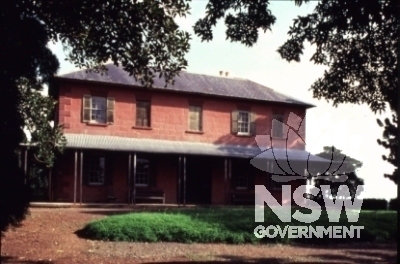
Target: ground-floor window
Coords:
[[97, 170], [142, 172], [242, 174]]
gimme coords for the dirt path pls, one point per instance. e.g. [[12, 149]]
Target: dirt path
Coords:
[[48, 236]]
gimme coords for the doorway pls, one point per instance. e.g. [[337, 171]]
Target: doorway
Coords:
[[198, 179]]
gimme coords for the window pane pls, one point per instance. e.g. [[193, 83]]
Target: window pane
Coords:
[[243, 122], [98, 109], [142, 172], [277, 126], [195, 118], [97, 170], [143, 113], [240, 173]]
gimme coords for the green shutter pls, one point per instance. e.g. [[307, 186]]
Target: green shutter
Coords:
[[110, 110], [234, 126], [253, 123], [86, 105]]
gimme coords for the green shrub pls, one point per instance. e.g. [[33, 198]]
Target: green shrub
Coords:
[[226, 225]]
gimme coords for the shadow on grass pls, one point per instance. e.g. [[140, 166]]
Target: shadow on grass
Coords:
[[11, 259]]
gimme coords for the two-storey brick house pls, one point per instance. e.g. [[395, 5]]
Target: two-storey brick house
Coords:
[[190, 142]]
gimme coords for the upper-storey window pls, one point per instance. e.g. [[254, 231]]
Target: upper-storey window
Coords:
[[243, 123], [98, 109], [143, 113], [195, 118], [277, 126]]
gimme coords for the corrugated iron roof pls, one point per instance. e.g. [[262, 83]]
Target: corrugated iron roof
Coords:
[[113, 143], [193, 83]]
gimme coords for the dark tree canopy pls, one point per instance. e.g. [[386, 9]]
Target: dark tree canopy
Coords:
[[390, 141], [141, 36], [357, 40], [334, 154]]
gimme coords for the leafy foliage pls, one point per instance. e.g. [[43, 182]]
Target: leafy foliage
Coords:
[[390, 141], [139, 35], [356, 40], [242, 26], [142, 36], [37, 112]]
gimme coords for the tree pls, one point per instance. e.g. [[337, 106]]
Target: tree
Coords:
[[141, 36], [334, 154], [356, 40], [390, 141]]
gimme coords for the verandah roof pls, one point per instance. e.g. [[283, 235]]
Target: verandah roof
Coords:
[[114, 143]]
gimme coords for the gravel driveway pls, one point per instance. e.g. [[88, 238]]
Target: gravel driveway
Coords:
[[48, 236]]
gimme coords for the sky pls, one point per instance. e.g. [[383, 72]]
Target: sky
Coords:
[[351, 128]]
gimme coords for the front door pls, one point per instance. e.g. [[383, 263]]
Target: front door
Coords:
[[198, 180]]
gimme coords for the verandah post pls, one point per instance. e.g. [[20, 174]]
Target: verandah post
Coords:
[[129, 177], [81, 177], [179, 179], [75, 173], [229, 178], [184, 180], [225, 179], [134, 178]]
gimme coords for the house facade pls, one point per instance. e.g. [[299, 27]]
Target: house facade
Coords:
[[187, 143]]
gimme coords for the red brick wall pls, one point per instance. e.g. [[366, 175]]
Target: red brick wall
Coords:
[[169, 115]]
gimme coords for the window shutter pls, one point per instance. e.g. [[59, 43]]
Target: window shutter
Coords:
[[277, 128], [234, 126], [110, 109], [86, 107], [201, 119], [252, 123]]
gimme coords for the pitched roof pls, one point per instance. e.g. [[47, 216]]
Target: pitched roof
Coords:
[[192, 83]]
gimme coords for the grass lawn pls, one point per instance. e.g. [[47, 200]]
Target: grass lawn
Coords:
[[228, 225]]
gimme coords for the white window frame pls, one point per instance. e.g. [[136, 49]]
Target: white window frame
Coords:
[[142, 175], [103, 111], [196, 109], [97, 166], [244, 179], [239, 122]]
